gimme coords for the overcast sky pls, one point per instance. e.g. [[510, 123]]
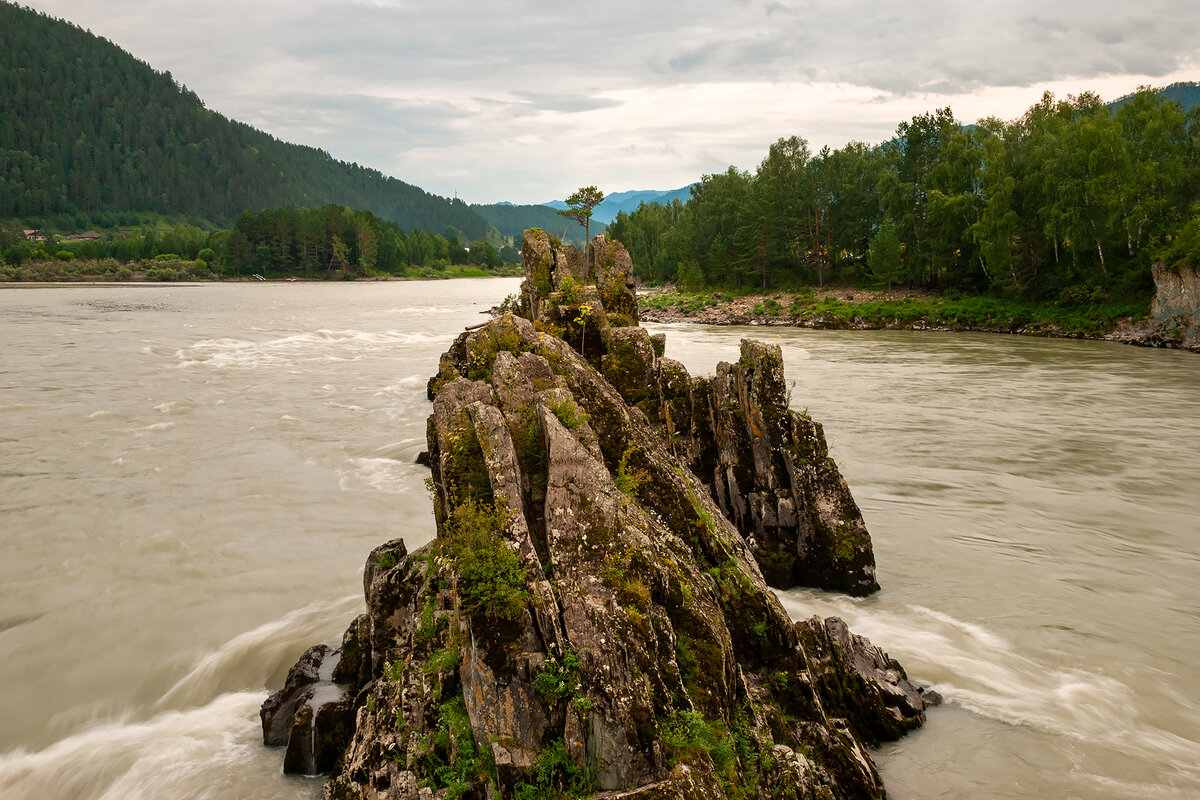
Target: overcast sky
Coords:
[[525, 101]]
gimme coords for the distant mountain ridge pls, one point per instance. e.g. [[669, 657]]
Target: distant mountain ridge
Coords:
[[90, 135], [512, 220], [1186, 93], [617, 202]]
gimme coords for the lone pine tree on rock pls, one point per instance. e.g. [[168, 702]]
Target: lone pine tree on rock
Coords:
[[581, 204]]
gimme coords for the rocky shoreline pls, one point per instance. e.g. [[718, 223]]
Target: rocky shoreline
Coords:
[[1174, 322], [596, 614]]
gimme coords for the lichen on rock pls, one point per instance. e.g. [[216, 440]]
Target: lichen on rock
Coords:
[[590, 618]]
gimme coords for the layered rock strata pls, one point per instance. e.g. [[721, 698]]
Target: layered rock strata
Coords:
[[593, 616]]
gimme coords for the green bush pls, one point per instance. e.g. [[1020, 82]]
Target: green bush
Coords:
[[492, 581]]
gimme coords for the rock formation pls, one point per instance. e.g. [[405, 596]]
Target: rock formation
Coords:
[[593, 616], [1174, 320]]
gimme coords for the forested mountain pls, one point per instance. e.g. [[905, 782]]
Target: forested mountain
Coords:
[[1186, 93], [512, 220], [91, 136], [1071, 201]]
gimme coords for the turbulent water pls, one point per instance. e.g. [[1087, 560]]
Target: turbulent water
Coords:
[[192, 476]]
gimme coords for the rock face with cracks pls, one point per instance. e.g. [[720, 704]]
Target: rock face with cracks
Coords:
[[594, 615]]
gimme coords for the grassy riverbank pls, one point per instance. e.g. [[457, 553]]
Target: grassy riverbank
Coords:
[[874, 309]]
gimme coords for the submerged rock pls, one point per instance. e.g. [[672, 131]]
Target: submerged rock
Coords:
[[594, 614]]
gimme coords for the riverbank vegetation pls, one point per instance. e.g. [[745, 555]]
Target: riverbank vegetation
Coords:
[[866, 309], [326, 243], [1069, 205]]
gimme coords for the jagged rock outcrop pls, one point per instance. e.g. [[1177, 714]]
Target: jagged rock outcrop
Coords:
[[1176, 305], [767, 466], [1174, 320], [588, 617]]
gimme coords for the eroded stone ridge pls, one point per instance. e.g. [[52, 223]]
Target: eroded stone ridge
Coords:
[[767, 466], [588, 618]]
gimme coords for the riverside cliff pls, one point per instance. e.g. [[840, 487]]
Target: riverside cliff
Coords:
[[595, 615]]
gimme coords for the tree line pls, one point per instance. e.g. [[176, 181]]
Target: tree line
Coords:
[[1074, 198], [328, 242]]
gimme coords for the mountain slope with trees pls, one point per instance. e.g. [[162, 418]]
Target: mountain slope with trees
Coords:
[[513, 220], [91, 136]]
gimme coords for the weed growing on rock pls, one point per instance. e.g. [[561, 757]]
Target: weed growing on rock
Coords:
[[427, 626], [628, 478], [569, 414], [569, 289], [443, 660], [559, 679], [459, 763], [555, 775], [491, 578]]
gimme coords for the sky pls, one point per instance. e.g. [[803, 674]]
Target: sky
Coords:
[[525, 101]]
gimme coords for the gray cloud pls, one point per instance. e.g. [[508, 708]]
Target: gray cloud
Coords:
[[456, 89]]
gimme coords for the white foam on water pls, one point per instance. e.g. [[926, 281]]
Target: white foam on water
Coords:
[[405, 386], [154, 428], [249, 659], [983, 672], [422, 310], [322, 346], [380, 475], [173, 407], [213, 751]]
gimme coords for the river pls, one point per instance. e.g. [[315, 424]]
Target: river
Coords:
[[192, 476]]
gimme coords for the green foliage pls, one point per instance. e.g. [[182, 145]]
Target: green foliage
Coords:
[[430, 623], [689, 737], [444, 660], [458, 764], [769, 308], [1085, 310], [530, 448], [629, 478], [883, 257], [1075, 193], [492, 581], [387, 561], [559, 678], [580, 205], [1184, 248], [570, 289], [569, 414], [556, 777]]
